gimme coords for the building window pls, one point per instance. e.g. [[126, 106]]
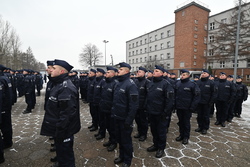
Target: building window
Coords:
[[168, 66], [136, 60], [194, 63], [150, 48], [205, 40], [182, 64], [195, 49], [222, 64], [145, 59], [205, 27], [169, 33], [150, 39], [211, 52], [224, 21], [195, 36], [234, 63], [205, 52], [168, 55], [129, 46], [129, 53], [155, 47], [212, 25], [136, 52], [129, 61], [210, 64], [248, 62], [141, 51], [247, 77], [133, 68], [133, 53], [140, 42], [145, 50], [141, 59], [183, 13], [155, 57], [196, 21], [195, 57], [195, 42], [168, 44], [211, 39], [162, 35], [136, 43], [133, 45], [133, 61], [150, 58], [195, 28], [155, 37], [162, 56], [162, 46], [145, 41]]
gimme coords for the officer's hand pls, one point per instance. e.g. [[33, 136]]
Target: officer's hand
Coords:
[[59, 140], [127, 126]]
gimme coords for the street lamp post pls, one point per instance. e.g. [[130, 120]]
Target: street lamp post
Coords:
[[105, 41]]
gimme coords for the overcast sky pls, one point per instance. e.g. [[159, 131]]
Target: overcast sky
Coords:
[[59, 29]]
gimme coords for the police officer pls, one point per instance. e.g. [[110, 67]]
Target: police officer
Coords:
[[186, 100], [14, 84], [106, 104], [241, 95], [19, 78], [124, 109], [38, 82], [230, 114], [226, 93], [1, 140], [90, 99], [211, 77], [208, 95], [150, 75], [28, 84], [83, 84], [141, 115], [6, 125], [62, 118], [173, 76], [75, 80], [160, 100], [97, 98]]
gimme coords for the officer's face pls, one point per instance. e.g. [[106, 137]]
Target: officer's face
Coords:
[[230, 79], [238, 80], [204, 75], [185, 75], [123, 71], [110, 74], [99, 74], [56, 71], [25, 72], [173, 76], [91, 74], [223, 76], [157, 73], [140, 73], [49, 69], [149, 74]]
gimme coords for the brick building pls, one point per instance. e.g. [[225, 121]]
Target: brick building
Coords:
[[186, 43]]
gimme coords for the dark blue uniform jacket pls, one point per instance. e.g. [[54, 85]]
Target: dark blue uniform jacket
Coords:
[[208, 91]]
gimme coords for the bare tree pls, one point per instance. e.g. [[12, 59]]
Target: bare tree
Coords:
[[224, 39], [90, 55]]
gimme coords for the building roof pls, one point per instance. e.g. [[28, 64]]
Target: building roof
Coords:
[[190, 4]]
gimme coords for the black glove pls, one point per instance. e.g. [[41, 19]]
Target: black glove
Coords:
[[127, 126]]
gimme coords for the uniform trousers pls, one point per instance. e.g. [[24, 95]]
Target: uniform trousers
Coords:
[[203, 111], [6, 128], [184, 122], [142, 122], [29, 101], [221, 111], [65, 153], [107, 123], [158, 126], [238, 107], [231, 107], [94, 109], [123, 136]]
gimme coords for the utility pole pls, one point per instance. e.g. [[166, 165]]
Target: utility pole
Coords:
[[237, 42], [112, 63], [105, 41]]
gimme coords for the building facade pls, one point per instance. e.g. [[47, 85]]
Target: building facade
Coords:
[[186, 43]]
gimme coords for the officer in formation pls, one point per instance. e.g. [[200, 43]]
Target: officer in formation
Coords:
[[208, 91], [226, 96], [241, 95], [83, 84], [186, 100], [107, 121], [19, 78], [141, 115], [160, 101], [38, 82], [150, 75], [74, 79], [62, 117]]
